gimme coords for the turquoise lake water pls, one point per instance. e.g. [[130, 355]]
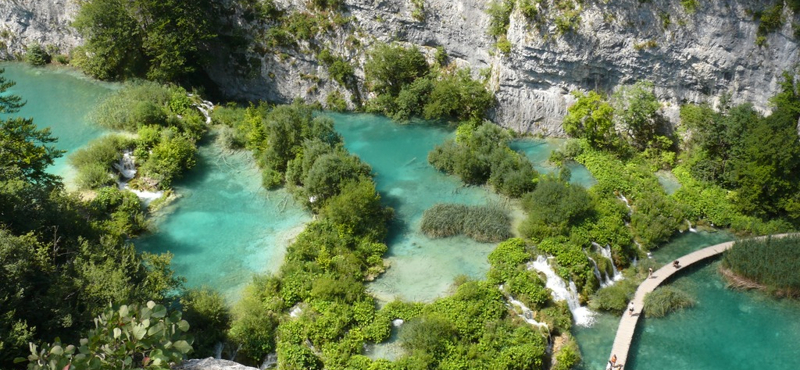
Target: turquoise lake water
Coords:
[[421, 268], [59, 98], [538, 151], [225, 227], [726, 329]]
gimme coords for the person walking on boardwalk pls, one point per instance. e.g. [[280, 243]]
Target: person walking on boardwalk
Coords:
[[630, 309], [650, 275]]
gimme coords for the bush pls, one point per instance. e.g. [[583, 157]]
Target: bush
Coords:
[[614, 298], [145, 337], [210, 319], [94, 162], [169, 158], [481, 223], [36, 55], [499, 17], [664, 300], [137, 103]]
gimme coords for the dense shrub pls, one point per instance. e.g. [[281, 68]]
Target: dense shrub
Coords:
[[210, 318], [482, 223], [553, 207], [481, 154], [664, 300], [614, 298], [36, 55], [94, 162]]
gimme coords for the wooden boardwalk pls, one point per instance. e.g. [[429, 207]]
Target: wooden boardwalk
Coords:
[[627, 324]]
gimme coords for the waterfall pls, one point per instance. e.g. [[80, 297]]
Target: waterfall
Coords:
[[218, 350], [269, 362], [606, 252], [205, 107], [127, 170], [603, 279], [527, 313], [691, 229], [561, 292], [627, 203], [125, 166]]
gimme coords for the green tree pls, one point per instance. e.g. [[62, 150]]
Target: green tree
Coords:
[[162, 40], [390, 67], [591, 117], [636, 110]]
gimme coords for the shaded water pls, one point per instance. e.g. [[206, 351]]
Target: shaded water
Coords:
[[668, 181], [538, 151], [421, 268], [727, 329], [225, 227], [61, 99]]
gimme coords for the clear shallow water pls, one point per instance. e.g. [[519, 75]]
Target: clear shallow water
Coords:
[[538, 151], [726, 329], [421, 268], [59, 98], [225, 227]]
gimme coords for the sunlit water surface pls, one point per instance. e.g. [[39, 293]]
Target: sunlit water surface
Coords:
[[61, 99], [726, 329]]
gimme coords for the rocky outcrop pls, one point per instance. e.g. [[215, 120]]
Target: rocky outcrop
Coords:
[[47, 22], [690, 56]]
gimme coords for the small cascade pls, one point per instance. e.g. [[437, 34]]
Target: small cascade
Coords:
[[635, 262], [218, 351], [603, 279], [627, 203], [127, 170], [205, 107], [527, 313], [270, 362], [606, 252], [561, 292], [691, 229], [125, 166]]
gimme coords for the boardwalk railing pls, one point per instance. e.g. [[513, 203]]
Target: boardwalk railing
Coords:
[[627, 324]]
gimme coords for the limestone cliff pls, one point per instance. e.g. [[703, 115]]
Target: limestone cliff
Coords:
[[692, 55]]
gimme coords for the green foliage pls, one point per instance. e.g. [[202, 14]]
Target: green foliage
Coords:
[[568, 356], [481, 223], [480, 155], [458, 96], [406, 86], [255, 318], [170, 158], [553, 207], [636, 109], [9, 103], [771, 262], [27, 148], [162, 40], [591, 118], [94, 162], [137, 103], [36, 55], [753, 157], [614, 298], [690, 6], [124, 337], [770, 20], [499, 17], [419, 10], [357, 210], [664, 300], [210, 318], [389, 68], [335, 102]]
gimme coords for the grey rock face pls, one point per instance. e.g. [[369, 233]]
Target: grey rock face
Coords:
[[23, 22], [692, 57], [212, 364]]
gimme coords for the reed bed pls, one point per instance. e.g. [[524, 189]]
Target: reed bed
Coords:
[[771, 262], [486, 224]]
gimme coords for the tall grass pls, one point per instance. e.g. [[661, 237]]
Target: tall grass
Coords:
[[772, 262], [481, 223], [664, 300]]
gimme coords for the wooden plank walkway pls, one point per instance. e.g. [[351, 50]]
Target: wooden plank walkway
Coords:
[[627, 324]]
